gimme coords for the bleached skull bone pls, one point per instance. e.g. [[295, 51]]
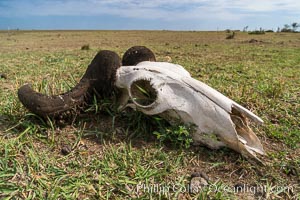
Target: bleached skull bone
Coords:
[[175, 94]]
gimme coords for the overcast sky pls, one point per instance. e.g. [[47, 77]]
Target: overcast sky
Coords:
[[148, 14]]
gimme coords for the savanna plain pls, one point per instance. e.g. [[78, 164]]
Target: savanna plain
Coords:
[[106, 154]]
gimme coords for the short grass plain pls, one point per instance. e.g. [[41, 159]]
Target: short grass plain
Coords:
[[116, 156]]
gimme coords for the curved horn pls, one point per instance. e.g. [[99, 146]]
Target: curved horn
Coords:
[[137, 54], [98, 79]]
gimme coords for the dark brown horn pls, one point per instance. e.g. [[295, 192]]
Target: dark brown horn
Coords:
[[137, 54], [99, 79]]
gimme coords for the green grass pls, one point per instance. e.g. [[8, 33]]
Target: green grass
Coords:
[[115, 155]]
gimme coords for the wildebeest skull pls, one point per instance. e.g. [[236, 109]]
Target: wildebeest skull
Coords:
[[157, 88], [169, 90]]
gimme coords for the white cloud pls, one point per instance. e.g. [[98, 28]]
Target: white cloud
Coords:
[[156, 9]]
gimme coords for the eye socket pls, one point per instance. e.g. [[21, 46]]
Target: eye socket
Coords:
[[143, 93]]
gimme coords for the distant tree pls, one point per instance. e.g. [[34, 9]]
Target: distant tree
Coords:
[[295, 25], [290, 27], [278, 29], [286, 28], [245, 29]]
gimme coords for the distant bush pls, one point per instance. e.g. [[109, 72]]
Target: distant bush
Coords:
[[85, 47], [269, 31], [256, 32], [230, 35], [287, 30], [228, 31]]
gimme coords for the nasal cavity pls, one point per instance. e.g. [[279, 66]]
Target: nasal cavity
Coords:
[[143, 93]]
